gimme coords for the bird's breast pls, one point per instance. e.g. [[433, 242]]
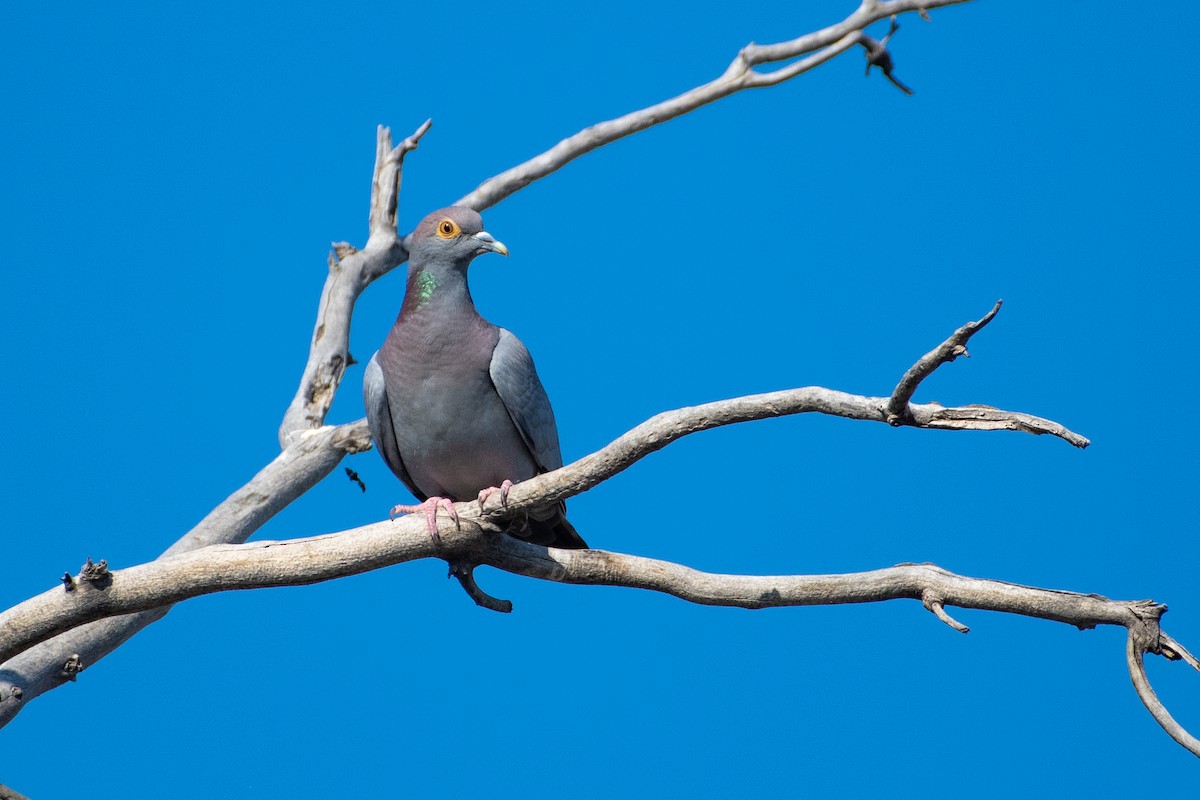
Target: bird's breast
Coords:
[[453, 431]]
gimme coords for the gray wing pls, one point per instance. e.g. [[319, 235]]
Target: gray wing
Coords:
[[379, 420], [517, 384]]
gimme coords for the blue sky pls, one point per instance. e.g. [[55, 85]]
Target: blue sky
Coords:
[[173, 178]]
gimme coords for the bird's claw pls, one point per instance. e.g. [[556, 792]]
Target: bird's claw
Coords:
[[491, 490], [430, 507]]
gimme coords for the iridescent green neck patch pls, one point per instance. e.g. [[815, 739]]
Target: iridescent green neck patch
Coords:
[[425, 286]]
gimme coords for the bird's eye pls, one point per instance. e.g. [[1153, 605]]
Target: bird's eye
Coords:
[[447, 229]]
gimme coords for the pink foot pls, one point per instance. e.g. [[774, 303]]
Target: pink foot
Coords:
[[491, 490], [430, 507]]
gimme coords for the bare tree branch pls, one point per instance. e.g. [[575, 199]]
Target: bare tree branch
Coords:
[[740, 74], [1148, 637], [477, 541], [296, 470], [294, 562], [659, 431], [316, 453], [350, 271], [464, 571], [60, 610], [10, 794], [150, 589], [934, 603], [947, 351]]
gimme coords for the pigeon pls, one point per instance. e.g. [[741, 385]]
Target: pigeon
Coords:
[[454, 403]]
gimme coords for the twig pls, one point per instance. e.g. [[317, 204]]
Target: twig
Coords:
[[947, 351], [385, 185], [464, 571], [934, 603], [1135, 646]]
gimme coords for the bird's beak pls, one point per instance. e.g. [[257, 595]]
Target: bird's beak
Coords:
[[486, 242]]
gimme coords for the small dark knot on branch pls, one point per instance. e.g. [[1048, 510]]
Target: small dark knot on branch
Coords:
[[15, 693], [68, 581], [96, 574], [1145, 631], [73, 667]]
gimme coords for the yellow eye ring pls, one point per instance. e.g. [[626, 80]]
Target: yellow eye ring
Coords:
[[447, 228]]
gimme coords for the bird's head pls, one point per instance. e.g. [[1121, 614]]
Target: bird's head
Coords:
[[452, 236]]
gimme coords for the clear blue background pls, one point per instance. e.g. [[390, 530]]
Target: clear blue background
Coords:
[[172, 179]]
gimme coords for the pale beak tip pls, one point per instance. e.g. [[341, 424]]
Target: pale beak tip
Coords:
[[491, 243]]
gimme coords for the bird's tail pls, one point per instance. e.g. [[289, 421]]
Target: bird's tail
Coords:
[[554, 531]]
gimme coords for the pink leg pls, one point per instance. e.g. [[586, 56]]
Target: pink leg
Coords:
[[491, 490], [430, 507]]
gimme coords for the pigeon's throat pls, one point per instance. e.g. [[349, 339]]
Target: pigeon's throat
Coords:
[[424, 285], [436, 290]]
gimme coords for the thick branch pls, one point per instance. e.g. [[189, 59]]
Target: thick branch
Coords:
[[302, 561], [296, 470], [257, 565]]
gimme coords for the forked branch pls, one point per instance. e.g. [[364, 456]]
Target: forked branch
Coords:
[[1149, 637], [351, 270], [315, 453], [478, 541], [244, 567], [742, 73], [947, 351]]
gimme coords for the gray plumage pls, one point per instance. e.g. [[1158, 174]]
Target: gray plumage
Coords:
[[454, 403]]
